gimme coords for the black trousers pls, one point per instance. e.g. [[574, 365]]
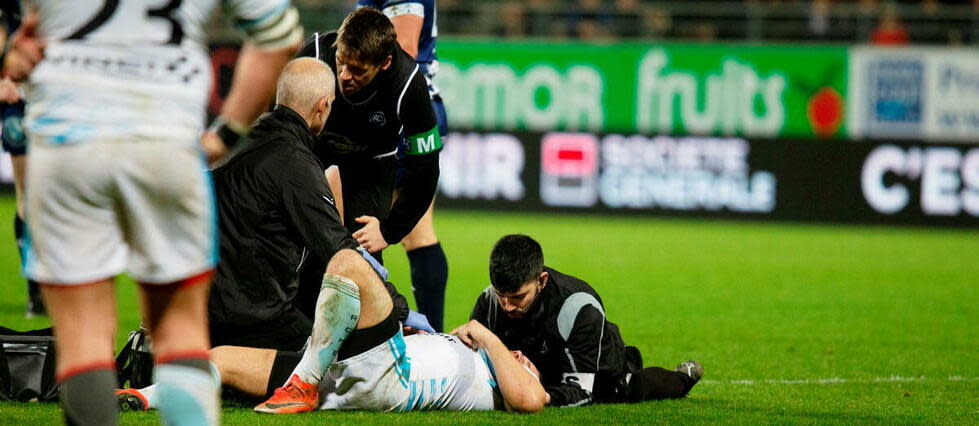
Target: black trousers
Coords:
[[658, 383], [645, 384]]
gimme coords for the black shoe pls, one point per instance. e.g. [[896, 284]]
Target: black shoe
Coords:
[[692, 369], [35, 308]]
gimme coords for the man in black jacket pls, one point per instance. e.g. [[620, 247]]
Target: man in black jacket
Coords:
[[558, 322], [274, 208], [382, 103]]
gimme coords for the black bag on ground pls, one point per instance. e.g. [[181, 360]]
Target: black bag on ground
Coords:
[[135, 362], [27, 365]]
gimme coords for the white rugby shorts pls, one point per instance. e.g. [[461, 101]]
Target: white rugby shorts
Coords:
[[95, 210]]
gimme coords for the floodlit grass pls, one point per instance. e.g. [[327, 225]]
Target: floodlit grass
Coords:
[[793, 323]]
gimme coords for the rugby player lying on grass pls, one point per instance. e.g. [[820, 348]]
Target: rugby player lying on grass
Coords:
[[358, 358]]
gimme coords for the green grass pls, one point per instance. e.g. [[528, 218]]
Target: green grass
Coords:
[[769, 303]]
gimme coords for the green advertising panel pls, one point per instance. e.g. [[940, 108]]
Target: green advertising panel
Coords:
[[759, 91]]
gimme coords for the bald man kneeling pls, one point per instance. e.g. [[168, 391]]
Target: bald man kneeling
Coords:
[[274, 207]]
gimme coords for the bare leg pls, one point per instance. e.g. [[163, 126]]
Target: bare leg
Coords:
[[245, 369], [19, 163], [336, 186], [375, 302], [423, 235], [84, 318], [176, 315]]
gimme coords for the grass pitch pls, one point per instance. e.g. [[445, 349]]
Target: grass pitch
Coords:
[[793, 323]]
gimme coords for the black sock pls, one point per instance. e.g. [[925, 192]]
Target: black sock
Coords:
[[659, 383], [429, 273], [33, 291], [282, 366], [87, 398]]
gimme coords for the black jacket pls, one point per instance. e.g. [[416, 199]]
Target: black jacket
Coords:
[[580, 355], [394, 109], [274, 206]]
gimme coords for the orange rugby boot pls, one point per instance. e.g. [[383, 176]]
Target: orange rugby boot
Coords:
[[296, 396]]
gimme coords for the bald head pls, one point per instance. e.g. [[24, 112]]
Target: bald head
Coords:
[[307, 85]]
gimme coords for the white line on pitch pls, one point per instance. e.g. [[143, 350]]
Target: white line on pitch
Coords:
[[836, 380]]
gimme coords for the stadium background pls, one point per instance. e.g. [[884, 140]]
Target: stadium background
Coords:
[[787, 191]]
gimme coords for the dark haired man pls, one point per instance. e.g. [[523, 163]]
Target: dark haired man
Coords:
[[558, 322], [416, 24], [383, 101]]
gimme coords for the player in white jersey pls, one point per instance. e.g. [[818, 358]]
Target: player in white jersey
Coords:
[[409, 373], [357, 344], [405, 373], [116, 182]]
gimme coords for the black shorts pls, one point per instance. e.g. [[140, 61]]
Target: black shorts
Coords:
[[368, 189], [286, 332]]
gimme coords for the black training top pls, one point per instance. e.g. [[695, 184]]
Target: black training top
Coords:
[[273, 207], [580, 355], [393, 109]]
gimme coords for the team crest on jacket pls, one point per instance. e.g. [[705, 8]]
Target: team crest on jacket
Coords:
[[377, 118]]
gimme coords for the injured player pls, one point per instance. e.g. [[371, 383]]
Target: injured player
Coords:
[[358, 358]]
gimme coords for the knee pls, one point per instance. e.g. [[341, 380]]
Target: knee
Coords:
[[346, 263], [220, 357]]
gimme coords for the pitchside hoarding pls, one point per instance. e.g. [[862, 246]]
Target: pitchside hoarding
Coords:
[[915, 93], [893, 182], [754, 90]]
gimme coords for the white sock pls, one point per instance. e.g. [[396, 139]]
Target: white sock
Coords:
[[152, 396], [337, 312], [186, 395], [215, 373]]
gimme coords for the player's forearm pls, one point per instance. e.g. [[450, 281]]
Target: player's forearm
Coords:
[[521, 391], [256, 73]]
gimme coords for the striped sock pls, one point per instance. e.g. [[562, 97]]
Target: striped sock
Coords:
[[87, 397], [153, 397], [186, 393]]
